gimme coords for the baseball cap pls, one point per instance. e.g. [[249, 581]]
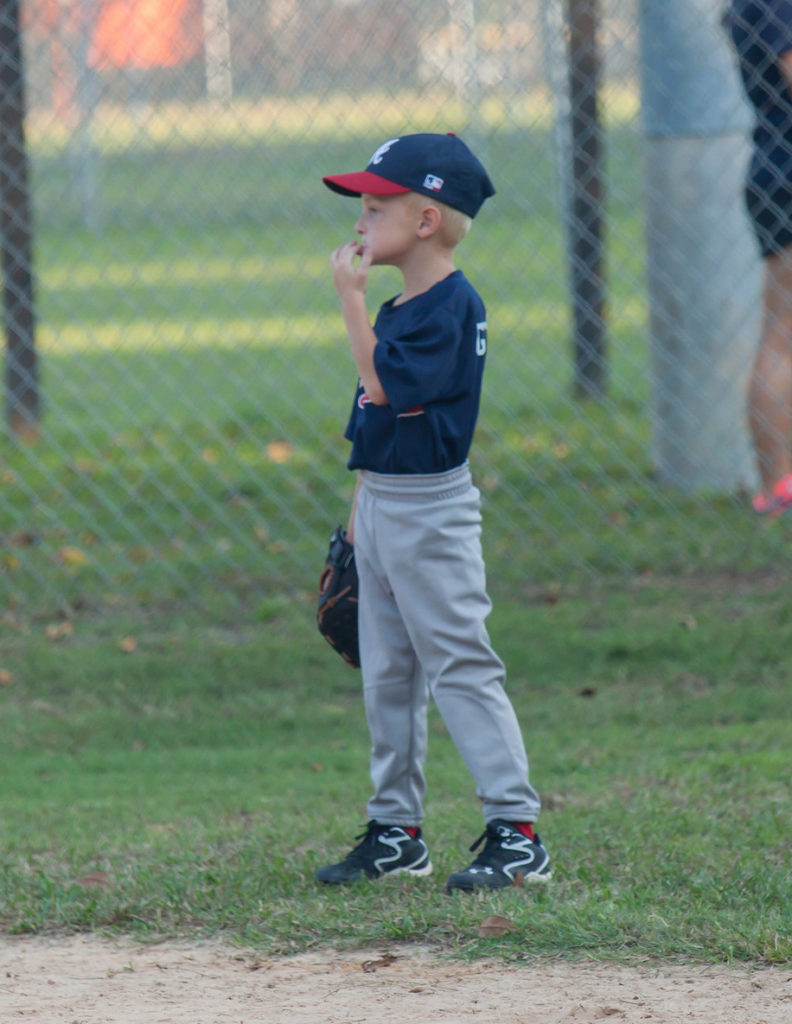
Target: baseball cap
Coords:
[[439, 166]]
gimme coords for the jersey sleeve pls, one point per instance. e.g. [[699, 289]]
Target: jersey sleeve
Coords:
[[427, 361]]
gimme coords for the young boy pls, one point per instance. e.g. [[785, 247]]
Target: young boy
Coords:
[[415, 520]]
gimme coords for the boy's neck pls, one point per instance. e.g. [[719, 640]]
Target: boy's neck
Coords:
[[424, 273]]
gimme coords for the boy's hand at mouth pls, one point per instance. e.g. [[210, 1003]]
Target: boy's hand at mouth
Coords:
[[351, 263]]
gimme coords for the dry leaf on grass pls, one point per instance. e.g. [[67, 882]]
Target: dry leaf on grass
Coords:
[[6, 677], [72, 556], [59, 630], [23, 539], [279, 451], [94, 880], [494, 926]]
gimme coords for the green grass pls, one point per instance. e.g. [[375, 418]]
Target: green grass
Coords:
[[211, 770], [168, 713]]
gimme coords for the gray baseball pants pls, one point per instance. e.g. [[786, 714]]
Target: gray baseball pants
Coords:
[[423, 606]]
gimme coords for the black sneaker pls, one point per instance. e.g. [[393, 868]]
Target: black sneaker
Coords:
[[385, 850], [507, 853]]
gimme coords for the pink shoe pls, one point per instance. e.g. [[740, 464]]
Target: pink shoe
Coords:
[[760, 503], [779, 501]]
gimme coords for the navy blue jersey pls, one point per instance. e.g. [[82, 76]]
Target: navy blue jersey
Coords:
[[430, 359], [761, 31]]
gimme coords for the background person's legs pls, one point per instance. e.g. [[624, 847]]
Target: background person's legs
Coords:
[[770, 393]]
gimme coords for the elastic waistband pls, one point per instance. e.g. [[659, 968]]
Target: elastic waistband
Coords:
[[409, 486]]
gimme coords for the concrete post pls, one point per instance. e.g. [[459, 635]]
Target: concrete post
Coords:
[[704, 272]]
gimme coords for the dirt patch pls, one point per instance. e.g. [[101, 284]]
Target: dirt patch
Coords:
[[89, 980]]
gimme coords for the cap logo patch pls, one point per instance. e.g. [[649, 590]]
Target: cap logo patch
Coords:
[[383, 149], [433, 183]]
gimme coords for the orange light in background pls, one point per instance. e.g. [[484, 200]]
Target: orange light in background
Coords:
[[146, 33]]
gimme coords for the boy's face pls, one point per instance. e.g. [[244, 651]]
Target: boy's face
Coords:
[[388, 227]]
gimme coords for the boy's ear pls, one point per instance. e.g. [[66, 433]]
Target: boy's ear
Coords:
[[429, 222]]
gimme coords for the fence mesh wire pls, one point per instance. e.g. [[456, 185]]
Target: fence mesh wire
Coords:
[[192, 370]]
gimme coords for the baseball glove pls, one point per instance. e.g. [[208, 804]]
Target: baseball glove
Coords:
[[337, 606]]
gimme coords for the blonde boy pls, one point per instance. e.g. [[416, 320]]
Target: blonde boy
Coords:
[[416, 521]]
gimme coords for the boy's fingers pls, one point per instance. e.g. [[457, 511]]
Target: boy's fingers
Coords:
[[348, 249]]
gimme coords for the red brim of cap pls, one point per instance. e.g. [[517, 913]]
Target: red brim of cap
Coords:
[[360, 182]]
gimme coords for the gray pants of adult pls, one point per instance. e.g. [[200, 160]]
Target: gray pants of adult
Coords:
[[423, 606]]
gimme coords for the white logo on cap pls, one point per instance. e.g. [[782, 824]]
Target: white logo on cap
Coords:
[[380, 153], [432, 182]]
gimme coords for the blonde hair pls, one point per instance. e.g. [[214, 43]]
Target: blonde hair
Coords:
[[454, 224]]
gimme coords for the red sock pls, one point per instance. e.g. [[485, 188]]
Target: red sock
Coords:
[[526, 827], [412, 831]]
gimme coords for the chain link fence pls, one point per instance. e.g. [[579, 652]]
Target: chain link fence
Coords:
[[191, 370]]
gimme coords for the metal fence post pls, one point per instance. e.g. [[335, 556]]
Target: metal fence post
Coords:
[[585, 224], [703, 266], [22, 395]]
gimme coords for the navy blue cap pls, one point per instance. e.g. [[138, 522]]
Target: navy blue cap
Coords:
[[439, 166]]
